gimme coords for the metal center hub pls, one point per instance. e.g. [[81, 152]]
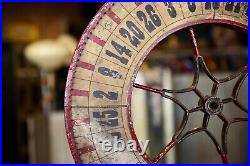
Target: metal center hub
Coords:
[[213, 105]]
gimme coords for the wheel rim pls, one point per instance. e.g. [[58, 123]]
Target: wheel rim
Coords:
[[68, 91]]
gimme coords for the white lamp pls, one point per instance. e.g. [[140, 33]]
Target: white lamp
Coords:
[[50, 55], [47, 54]]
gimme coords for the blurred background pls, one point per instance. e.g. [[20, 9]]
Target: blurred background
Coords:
[[33, 85]]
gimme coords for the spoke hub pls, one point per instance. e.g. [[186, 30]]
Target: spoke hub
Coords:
[[213, 105]]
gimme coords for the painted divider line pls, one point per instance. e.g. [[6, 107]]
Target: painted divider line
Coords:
[[114, 17], [77, 92], [138, 3], [78, 122], [86, 65], [86, 149], [97, 40]]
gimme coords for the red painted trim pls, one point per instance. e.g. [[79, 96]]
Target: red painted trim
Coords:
[[114, 17], [77, 122], [77, 92], [86, 149], [70, 135], [85, 65], [138, 3], [97, 40]]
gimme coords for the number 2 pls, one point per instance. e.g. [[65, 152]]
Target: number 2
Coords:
[[109, 95]]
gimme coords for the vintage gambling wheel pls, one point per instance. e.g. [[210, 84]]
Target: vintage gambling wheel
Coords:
[[107, 59]]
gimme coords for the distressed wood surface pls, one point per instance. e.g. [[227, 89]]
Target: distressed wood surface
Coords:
[[107, 59]]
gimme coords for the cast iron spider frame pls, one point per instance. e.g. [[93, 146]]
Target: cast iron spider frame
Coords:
[[209, 105]]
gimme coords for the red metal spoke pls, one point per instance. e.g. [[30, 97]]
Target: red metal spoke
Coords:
[[223, 118], [199, 94], [194, 83], [215, 89], [196, 74], [158, 91], [205, 120], [224, 158], [147, 88], [224, 134], [238, 84], [234, 75], [182, 126], [162, 93], [194, 42], [164, 151], [239, 119], [179, 91], [240, 106], [206, 70], [243, 75], [199, 108], [190, 133], [220, 151], [210, 135], [227, 100], [174, 141]]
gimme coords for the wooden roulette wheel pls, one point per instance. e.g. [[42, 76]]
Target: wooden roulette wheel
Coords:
[[105, 63]]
